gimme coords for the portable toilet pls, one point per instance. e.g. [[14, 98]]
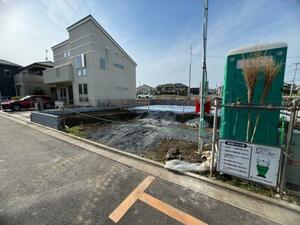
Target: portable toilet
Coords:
[[234, 120]]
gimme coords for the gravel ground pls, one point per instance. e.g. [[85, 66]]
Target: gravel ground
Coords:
[[144, 134]]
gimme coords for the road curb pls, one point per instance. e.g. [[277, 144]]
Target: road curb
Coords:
[[266, 199]]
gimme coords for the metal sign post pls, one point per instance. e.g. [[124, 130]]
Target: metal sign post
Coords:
[[287, 149], [214, 139]]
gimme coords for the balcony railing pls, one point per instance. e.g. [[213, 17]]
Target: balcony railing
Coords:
[[59, 74]]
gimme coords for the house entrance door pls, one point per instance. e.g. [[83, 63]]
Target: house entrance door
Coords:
[[70, 92], [63, 95]]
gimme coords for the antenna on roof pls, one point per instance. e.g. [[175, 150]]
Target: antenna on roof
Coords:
[[46, 58]]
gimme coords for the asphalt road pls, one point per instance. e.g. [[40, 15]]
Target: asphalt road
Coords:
[[47, 181]]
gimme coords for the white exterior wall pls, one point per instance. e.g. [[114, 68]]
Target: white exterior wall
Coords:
[[58, 55], [103, 85]]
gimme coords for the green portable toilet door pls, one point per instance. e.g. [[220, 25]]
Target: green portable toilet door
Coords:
[[234, 120]]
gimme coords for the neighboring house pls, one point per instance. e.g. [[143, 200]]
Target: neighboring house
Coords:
[[29, 80], [176, 88], [90, 68], [219, 90], [194, 91], [144, 89], [211, 91], [287, 89], [7, 72]]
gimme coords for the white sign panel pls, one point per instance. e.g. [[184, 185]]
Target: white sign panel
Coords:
[[250, 161], [234, 158], [265, 164]]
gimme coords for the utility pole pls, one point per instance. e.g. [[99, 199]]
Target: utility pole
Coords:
[[292, 86], [203, 83], [190, 75]]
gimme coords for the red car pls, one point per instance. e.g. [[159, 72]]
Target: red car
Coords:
[[27, 102]]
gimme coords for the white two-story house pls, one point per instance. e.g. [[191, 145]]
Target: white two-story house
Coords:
[[90, 68], [29, 80]]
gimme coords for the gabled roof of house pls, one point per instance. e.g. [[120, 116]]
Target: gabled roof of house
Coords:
[[180, 84], [47, 64], [145, 85], [4, 62], [60, 44], [172, 84], [91, 18]]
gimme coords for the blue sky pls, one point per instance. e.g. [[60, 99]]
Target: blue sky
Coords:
[[156, 33]]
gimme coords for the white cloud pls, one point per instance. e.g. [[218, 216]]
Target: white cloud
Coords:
[[65, 12], [4, 1]]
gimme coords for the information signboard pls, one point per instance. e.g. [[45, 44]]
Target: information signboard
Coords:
[[254, 162]]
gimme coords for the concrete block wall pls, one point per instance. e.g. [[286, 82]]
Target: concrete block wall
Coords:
[[46, 119]]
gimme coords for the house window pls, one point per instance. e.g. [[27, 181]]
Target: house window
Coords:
[[80, 64], [77, 62], [83, 93], [67, 54], [119, 66], [83, 60], [102, 64], [85, 89], [7, 73], [83, 71], [80, 89]]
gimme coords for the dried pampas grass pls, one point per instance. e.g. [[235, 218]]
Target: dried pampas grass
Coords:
[[250, 69], [270, 70]]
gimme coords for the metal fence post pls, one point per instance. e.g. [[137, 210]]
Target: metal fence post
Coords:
[[214, 139], [287, 149], [64, 118]]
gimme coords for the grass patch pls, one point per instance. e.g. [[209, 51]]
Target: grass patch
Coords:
[[76, 130], [247, 185]]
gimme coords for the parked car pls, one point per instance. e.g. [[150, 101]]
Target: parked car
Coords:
[[27, 102], [144, 96]]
